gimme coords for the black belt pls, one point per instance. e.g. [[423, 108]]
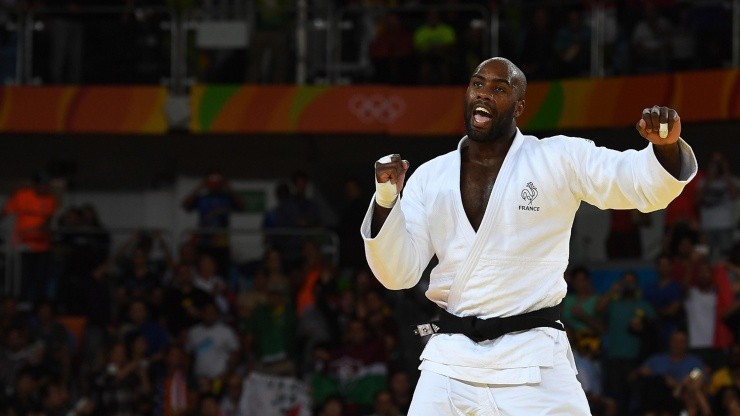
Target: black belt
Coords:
[[484, 329]]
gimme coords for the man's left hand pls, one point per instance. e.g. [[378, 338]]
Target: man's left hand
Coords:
[[652, 118]]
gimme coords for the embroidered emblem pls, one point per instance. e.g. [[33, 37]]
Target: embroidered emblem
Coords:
[[529, 193]]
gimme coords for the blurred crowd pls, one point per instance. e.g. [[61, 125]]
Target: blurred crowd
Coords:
[[402, 42], [143, 328]]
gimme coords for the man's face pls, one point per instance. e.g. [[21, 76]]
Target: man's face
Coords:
[[492, 101]]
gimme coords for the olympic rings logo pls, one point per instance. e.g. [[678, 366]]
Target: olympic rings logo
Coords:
[[377, 108]]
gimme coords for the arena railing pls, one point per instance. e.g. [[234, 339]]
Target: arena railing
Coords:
[[161, 44], [250, 243], [117, 237]]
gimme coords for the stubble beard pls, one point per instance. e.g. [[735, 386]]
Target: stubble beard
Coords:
[[500, 127]]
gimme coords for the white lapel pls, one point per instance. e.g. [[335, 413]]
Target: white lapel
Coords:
[[487, 223]]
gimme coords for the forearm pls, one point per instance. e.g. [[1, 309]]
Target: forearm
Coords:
[[380, 214], [669, 156], [396, 256]]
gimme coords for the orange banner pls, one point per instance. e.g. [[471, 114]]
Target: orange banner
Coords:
[[413, 111], [138, 110]]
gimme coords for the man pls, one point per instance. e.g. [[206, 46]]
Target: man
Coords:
[[497, 212], [33, 208], [662, 374], [214, 345], [214, 200]]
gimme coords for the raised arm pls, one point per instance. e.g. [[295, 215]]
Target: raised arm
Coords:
[[661, 126], [390, 174]]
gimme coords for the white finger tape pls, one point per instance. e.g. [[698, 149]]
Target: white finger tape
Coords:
[[385, 159], [663, 131]]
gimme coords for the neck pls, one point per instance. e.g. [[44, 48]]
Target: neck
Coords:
[[490, 152]]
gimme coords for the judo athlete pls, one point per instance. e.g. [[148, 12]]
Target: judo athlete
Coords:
[[497, 212]]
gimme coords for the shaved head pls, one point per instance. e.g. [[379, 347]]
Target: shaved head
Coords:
[[516, 76]]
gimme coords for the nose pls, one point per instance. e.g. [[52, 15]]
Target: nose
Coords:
[[484, 93]]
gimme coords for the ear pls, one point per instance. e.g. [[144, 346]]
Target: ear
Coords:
[[519, 108]]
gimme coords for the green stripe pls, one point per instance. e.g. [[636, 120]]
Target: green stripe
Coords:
[[303, 96], [212, 102], [549, 112]]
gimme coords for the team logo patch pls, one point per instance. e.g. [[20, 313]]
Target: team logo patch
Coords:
[[529, 194]]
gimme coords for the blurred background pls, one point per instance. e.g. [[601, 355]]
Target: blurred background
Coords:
[[183, 182]]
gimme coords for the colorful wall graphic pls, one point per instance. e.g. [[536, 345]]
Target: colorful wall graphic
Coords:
[[249, 109]]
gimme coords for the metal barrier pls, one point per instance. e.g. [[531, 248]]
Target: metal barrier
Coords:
[[325, 44], [247, 244], [255, 240], [12, 252], [100, 45]]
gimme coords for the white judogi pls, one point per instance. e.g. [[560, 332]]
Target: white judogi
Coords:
[[515, 262]]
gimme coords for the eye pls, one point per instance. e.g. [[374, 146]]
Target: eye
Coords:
[[499, 89], [477, 84]]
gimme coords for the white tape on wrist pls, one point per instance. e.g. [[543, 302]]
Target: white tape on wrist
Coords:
[[386, 193]]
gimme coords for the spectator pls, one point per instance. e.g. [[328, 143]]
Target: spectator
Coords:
[[629, 328], [82, 243], [209, 405], [384, 405], [401, 390], [66, 35], [268, 57], [208, 281], [332, 406], [33, 208], [232, 398], [624, 240], [214, 200], [572, 46], [24, 399], [687, 257], [585, 356], [391, 52], [351, 248], [122, 384], [729, 271], [705, 302], [666, 297], [717, 193], [433, 42], [663, 374], [18, 353], [183, 303], [142, 244], [307, 277], [214, 346], [683, 42], [651, 41], [579, 307], [273, 328], [55, 339], [302, 211], [139, 280], [536, 48], [358, 369], [174, 390], [140, 325]]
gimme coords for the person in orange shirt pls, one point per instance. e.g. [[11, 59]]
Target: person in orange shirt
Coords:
[[33, 208]]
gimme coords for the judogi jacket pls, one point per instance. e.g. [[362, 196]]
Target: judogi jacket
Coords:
[[515, 262]]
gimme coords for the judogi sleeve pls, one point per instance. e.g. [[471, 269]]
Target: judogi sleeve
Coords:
[[610, 179], [402, 249]]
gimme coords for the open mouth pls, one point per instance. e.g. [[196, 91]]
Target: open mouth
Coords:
[[481, 117]]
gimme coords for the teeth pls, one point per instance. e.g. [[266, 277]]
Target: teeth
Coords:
[[481, 109]]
